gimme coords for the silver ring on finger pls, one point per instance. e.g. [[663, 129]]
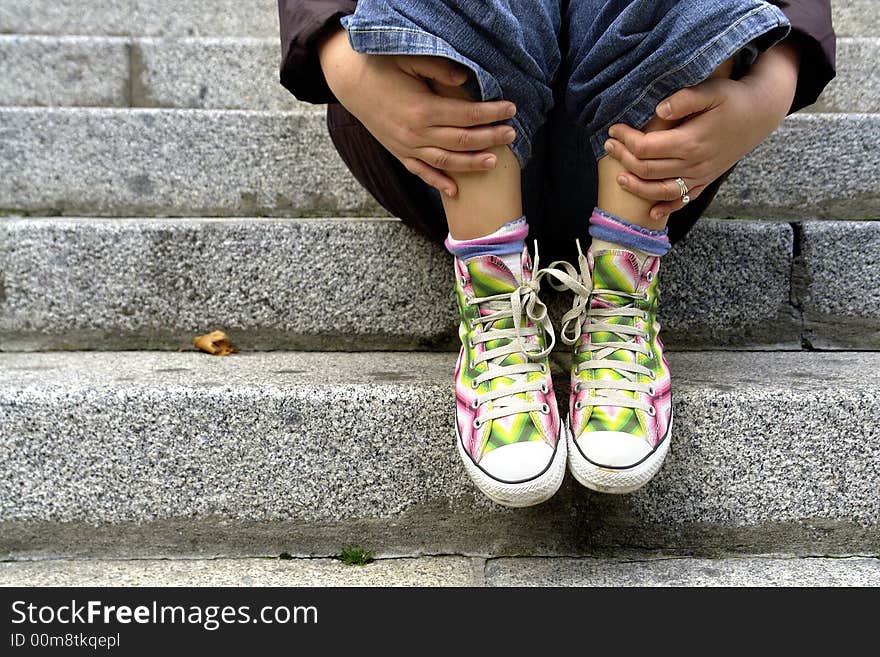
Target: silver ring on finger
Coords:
[[684, 190]]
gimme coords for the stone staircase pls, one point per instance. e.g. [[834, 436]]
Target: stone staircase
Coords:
[[156, 183]]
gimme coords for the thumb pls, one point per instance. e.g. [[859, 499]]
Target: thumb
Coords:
[[685, 102], [439, 69]]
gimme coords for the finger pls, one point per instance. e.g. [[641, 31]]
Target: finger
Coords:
[[645, 169], [452, 161], [666, 208], [462, 113], [470, 139], [431, 176], [660, 144], [440, 69], [651, 190], [685, 102]]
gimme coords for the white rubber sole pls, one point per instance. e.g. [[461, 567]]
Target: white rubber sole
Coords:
[[615, 481], [526, 493]]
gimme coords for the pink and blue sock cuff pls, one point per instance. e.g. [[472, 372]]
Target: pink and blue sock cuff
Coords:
[[604, 226], [510, 238]]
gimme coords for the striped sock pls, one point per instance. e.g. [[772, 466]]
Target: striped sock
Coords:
[[506, 243], [608, 228]]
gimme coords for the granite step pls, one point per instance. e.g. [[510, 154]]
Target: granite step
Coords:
[[261, 571], [192, 72], [857, 85], [118, 284], [856, 18], [351, 284], [242, 73], [836, 283], [139, 455], [633, 570], [761, 571], [148, 162], [218, 18], [225, 18]]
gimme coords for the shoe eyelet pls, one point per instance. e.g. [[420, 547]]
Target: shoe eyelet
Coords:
[[652, 375], [650, 354], [652, 391], [545, 409], [477, 424], [474, 384], [543, 368], [544, 388], [578, 406], [577, 387], [463, 280], [652, 411], [649, 276], [475, 405]]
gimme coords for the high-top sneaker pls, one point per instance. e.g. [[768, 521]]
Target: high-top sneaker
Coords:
[[507, 423], [620, 412]]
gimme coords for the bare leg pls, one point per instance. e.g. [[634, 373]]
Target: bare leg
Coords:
[[616, 200], [486, 200]]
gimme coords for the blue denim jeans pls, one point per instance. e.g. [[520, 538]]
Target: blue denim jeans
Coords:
[[606, 61]]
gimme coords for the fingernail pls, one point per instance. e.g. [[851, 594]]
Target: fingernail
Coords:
[[510, 135], [447, 191], [612, 133], [664, 109], [511, 111], [622, 180], [609, 146], [489, 162]]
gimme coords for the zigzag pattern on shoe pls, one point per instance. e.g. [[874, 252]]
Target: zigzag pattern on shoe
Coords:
[[620, 410], [507, 422]]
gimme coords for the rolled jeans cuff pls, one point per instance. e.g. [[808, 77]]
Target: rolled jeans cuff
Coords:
[[765, 24]]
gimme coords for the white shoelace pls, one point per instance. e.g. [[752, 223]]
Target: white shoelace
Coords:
[[522, 301], [584, 319]]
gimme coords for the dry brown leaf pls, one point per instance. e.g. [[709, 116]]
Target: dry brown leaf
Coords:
[[216, 343]]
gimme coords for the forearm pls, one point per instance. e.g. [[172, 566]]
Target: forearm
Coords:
[[303, 25], [774, 77], [337, 59]]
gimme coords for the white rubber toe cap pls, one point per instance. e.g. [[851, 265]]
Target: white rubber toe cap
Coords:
[[613, 449], [518, 461]]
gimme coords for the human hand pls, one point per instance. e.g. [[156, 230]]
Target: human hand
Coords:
[[722, 121], [429, 134]]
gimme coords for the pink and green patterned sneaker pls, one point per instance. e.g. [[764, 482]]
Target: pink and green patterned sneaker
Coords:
[[620, 413], [507, 425]]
